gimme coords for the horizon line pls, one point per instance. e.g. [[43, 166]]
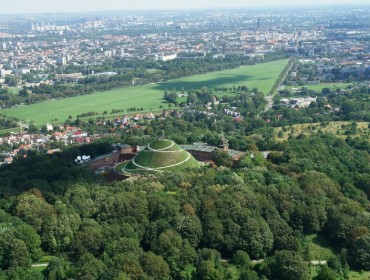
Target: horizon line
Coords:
[[230, 8]]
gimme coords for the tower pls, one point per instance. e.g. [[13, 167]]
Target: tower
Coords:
[[225, 143]]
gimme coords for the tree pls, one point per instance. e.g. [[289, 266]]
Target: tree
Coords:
[[326, 273], [88, 239], [249, 275], [222, 158], [34, 210], [326, 91], [241, 259], [168, 240], [360, 252], [212, 231], [12, 80], [124, 245], [155, 266], [207, 271], [287, 265], [129, 264], [192, 98], [31, 238], [56, 269], [189, 227], [18, 255], [89, 267], [255, 237]]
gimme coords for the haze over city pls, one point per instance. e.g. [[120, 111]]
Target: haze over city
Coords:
[[44, 6]]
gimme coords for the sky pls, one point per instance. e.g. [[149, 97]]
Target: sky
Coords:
[[50, 6]]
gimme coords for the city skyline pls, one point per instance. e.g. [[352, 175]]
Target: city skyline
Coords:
[[44, 6]]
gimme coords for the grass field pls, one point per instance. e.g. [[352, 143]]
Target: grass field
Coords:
[[8, 130], [362, 275], [336, 128], [318, 249], [318, 88], [353, 275], [148, 97], [13, 90]]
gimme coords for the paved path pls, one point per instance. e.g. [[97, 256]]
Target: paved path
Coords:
[[162, 167], [269, 98], [40, 264], [318, 262]]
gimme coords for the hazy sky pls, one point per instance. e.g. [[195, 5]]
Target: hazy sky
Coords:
[[42, 6]]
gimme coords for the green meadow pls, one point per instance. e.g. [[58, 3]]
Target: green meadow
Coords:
[[149, 96], [318, 88]]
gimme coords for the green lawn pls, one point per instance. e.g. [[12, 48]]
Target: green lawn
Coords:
[[318, 249], [13, 90], [148, 97], [39, 268], [353, 275], [8, 130], [262, 76], [318, 88], [362, 275], [163, 155]]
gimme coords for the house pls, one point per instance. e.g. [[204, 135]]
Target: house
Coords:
[[138, 117], [150, 116], [49, 127], [8, 160]]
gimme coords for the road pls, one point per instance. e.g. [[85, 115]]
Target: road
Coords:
[[270, 97]]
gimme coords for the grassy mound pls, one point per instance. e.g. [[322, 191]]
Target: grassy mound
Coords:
[[160, 156]]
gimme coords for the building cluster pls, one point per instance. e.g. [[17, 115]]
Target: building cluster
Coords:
[[326, 70], [134, 121], [42, 47], [20, 143], [299, 102], [23, 143]]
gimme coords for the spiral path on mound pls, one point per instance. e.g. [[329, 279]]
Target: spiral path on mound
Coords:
[[161, 167]]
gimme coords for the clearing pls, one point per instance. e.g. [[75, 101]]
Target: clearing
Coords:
[[340, 129]]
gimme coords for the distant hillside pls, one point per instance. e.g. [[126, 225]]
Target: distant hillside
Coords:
[[340, 129]]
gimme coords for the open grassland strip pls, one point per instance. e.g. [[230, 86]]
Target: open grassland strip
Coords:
[[150, 96], [318, 88], [362, 275], [281, 77]]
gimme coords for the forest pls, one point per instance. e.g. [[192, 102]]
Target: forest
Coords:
[[263, 218], [248, 222]]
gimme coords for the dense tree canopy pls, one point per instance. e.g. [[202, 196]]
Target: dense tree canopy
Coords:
[[198, 224]]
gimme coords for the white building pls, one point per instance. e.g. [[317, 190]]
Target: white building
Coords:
[[49, 127], [168, 57]]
